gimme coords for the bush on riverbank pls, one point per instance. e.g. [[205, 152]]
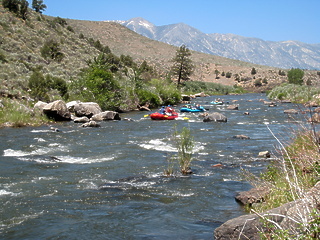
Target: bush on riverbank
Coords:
[[295, 93]]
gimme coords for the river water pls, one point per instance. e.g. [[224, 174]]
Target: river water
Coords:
[[108, 183]]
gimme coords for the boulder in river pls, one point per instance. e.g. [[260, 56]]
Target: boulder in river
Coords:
[[57, 110], [105, 116], [81, 120], [233, 107], [90, 124], [87, 109], [265, 154], [215, 117]]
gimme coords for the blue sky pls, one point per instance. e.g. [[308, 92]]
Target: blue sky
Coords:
[[272, 20]]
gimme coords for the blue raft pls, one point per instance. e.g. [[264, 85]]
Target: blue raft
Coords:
[[192, 109]]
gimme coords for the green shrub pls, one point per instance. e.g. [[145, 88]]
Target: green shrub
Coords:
[[51, 50], [146, 96], [39, 87], [295, 76]]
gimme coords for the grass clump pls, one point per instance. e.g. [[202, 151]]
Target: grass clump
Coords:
[[16, 114], [184, 142]]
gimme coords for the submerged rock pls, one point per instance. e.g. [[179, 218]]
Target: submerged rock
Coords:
[[241, 136]]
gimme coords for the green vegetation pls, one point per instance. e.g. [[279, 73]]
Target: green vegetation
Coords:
[[18, 7], [38, 6], [182, 65], [295, 76], [42, 87], [295, 93], [51, 50], [184, 143], [19, 114]]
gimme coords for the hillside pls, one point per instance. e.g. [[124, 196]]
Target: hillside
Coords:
[[21, 42]]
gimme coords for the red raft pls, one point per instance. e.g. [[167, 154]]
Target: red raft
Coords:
[[160, 116]]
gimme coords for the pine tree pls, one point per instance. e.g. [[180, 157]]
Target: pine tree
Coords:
[[38, 6], [182, 65]]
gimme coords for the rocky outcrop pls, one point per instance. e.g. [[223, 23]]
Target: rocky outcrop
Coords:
[[57, 110], [105, 116], [289, 217], [215, 117], [87, 109]]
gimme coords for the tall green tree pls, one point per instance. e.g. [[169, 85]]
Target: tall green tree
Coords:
[[295, 76], [182, 65], [38, 6]]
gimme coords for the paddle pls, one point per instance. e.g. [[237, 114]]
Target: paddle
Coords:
[[146, 115]]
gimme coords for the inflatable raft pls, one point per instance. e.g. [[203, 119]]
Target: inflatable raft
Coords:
[[160, 116]]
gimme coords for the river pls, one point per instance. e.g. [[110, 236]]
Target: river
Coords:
[[108, 183]]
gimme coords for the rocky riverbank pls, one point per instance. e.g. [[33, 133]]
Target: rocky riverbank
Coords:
[[291, 217]]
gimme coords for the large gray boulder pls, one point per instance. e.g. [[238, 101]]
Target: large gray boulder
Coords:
[[289, 217], [87, 109], [215, 117], [105, 116], [39, 106], [57, 110]]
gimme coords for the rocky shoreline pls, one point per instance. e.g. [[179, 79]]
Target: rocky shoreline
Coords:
[[289, 217]]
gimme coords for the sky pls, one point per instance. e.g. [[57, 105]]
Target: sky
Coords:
[[270, 20]]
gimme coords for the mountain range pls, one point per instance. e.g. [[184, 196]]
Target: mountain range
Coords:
[[284, 54]]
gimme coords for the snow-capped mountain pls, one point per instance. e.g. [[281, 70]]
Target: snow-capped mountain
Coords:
[[286, 54]]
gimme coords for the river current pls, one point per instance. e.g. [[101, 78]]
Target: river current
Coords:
[[108, 183]]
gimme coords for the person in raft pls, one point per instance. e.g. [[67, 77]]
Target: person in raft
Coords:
[[162, 110], [169, 110]]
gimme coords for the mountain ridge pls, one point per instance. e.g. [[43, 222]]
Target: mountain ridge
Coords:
[[282, 54]]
